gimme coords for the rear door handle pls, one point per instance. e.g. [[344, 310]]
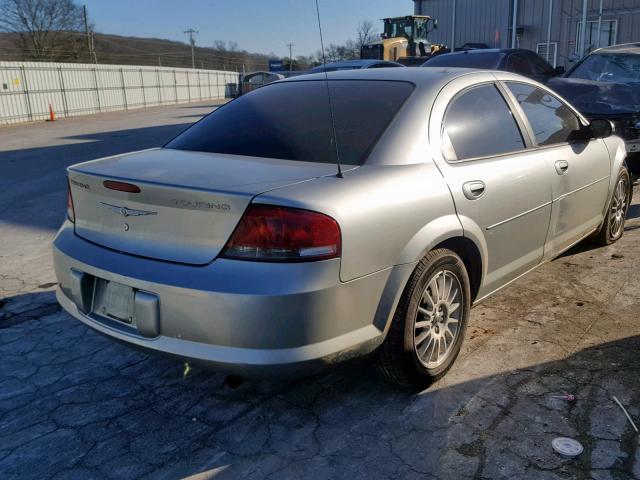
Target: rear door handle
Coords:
[[562, 166], [473, 190]]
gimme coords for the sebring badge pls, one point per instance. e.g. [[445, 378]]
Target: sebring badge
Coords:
[[127, 212]]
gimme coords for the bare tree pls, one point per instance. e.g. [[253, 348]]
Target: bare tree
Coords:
[[365, 34], [220, 45], [43, 28], [233, 46], [351, 50], [304, 62]]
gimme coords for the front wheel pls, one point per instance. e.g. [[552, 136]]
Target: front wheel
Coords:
[[428, 327], [613, 226]]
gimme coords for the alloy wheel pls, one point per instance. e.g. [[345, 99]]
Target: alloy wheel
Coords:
[[618, 208], [437, 320]]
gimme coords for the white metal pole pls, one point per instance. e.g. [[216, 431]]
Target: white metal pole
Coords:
[[599, 25], [549, 33], [453, 26], [514, 23], [583, 28]]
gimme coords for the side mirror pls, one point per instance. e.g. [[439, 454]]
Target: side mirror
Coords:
[[601, 128], [435, 23], [559, 70]]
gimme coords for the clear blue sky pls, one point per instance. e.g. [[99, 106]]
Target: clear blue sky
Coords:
[[262, 26]]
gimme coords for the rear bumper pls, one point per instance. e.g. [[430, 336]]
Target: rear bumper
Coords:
[[248, 318]]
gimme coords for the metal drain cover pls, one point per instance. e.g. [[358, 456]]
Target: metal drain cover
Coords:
[[567, 446]]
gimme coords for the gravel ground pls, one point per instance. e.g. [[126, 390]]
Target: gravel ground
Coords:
[[73, 404]]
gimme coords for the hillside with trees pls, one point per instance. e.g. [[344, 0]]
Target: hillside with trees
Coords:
[[58, 31]]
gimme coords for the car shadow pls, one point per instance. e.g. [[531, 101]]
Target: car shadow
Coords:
[[33, 180], [217, 105], [25, 307], [197, 116], [73, 400]]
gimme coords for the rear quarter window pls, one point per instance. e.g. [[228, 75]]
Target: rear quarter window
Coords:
[[291, 121]]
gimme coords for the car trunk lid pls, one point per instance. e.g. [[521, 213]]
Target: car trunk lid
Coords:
[[188, 205]]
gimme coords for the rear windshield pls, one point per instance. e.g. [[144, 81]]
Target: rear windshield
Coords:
[[291, 121], [466, 60]]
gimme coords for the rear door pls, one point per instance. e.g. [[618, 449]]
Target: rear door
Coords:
[[502, 191], [579, 170]]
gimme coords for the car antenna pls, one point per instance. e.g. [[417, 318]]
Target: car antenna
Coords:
[[326, 79]]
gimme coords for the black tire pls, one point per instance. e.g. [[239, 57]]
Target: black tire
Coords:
[[608, 232], [398, 357]]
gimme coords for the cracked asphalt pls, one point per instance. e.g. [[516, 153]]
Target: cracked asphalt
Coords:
[[73, 404]]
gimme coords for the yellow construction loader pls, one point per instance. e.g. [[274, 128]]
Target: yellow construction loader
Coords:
[[404, 40]]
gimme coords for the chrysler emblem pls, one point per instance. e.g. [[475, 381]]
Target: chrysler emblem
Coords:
[[127, 212]]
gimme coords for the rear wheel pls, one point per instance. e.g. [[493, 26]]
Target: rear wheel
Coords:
[[429, 324], [613, 226]]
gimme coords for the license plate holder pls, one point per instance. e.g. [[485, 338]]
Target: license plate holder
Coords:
[[114, 300]]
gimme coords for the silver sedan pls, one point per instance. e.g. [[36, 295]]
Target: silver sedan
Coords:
[[241, 244]]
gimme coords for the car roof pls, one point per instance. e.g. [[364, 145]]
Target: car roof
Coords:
[[264, 72], [353, 63], [480, 51], [431, 78], [621, 48]]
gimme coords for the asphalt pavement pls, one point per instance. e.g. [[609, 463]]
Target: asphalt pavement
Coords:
[[73, 404]]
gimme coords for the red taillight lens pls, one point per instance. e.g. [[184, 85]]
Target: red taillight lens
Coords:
[[71, 213], [272, 233]]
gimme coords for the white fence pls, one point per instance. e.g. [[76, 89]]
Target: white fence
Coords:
[[28, 88]]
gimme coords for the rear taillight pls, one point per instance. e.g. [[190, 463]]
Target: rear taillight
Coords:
[[281, 234], [121, 186], [71, 213]]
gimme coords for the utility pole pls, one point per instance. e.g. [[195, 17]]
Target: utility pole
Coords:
[[86, 32], [93, 48], [290, 45], [192, 41]]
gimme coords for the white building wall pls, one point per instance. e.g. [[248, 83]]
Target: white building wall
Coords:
[[28, 88]]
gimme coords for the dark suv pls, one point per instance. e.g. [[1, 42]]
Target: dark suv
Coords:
[[517, 60], [606, 84]]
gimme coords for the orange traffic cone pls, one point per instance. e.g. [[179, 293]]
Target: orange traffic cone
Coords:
[[52, 114]]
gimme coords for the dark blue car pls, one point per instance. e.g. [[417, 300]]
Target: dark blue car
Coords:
[[516, 60]]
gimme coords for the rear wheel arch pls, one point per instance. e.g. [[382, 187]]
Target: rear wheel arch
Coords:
[[401, 356], [467, 250], [464, 247]]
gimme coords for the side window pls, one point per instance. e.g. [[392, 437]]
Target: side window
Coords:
[[518, 64], [478, 123], [257, 79], [551, 120]]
